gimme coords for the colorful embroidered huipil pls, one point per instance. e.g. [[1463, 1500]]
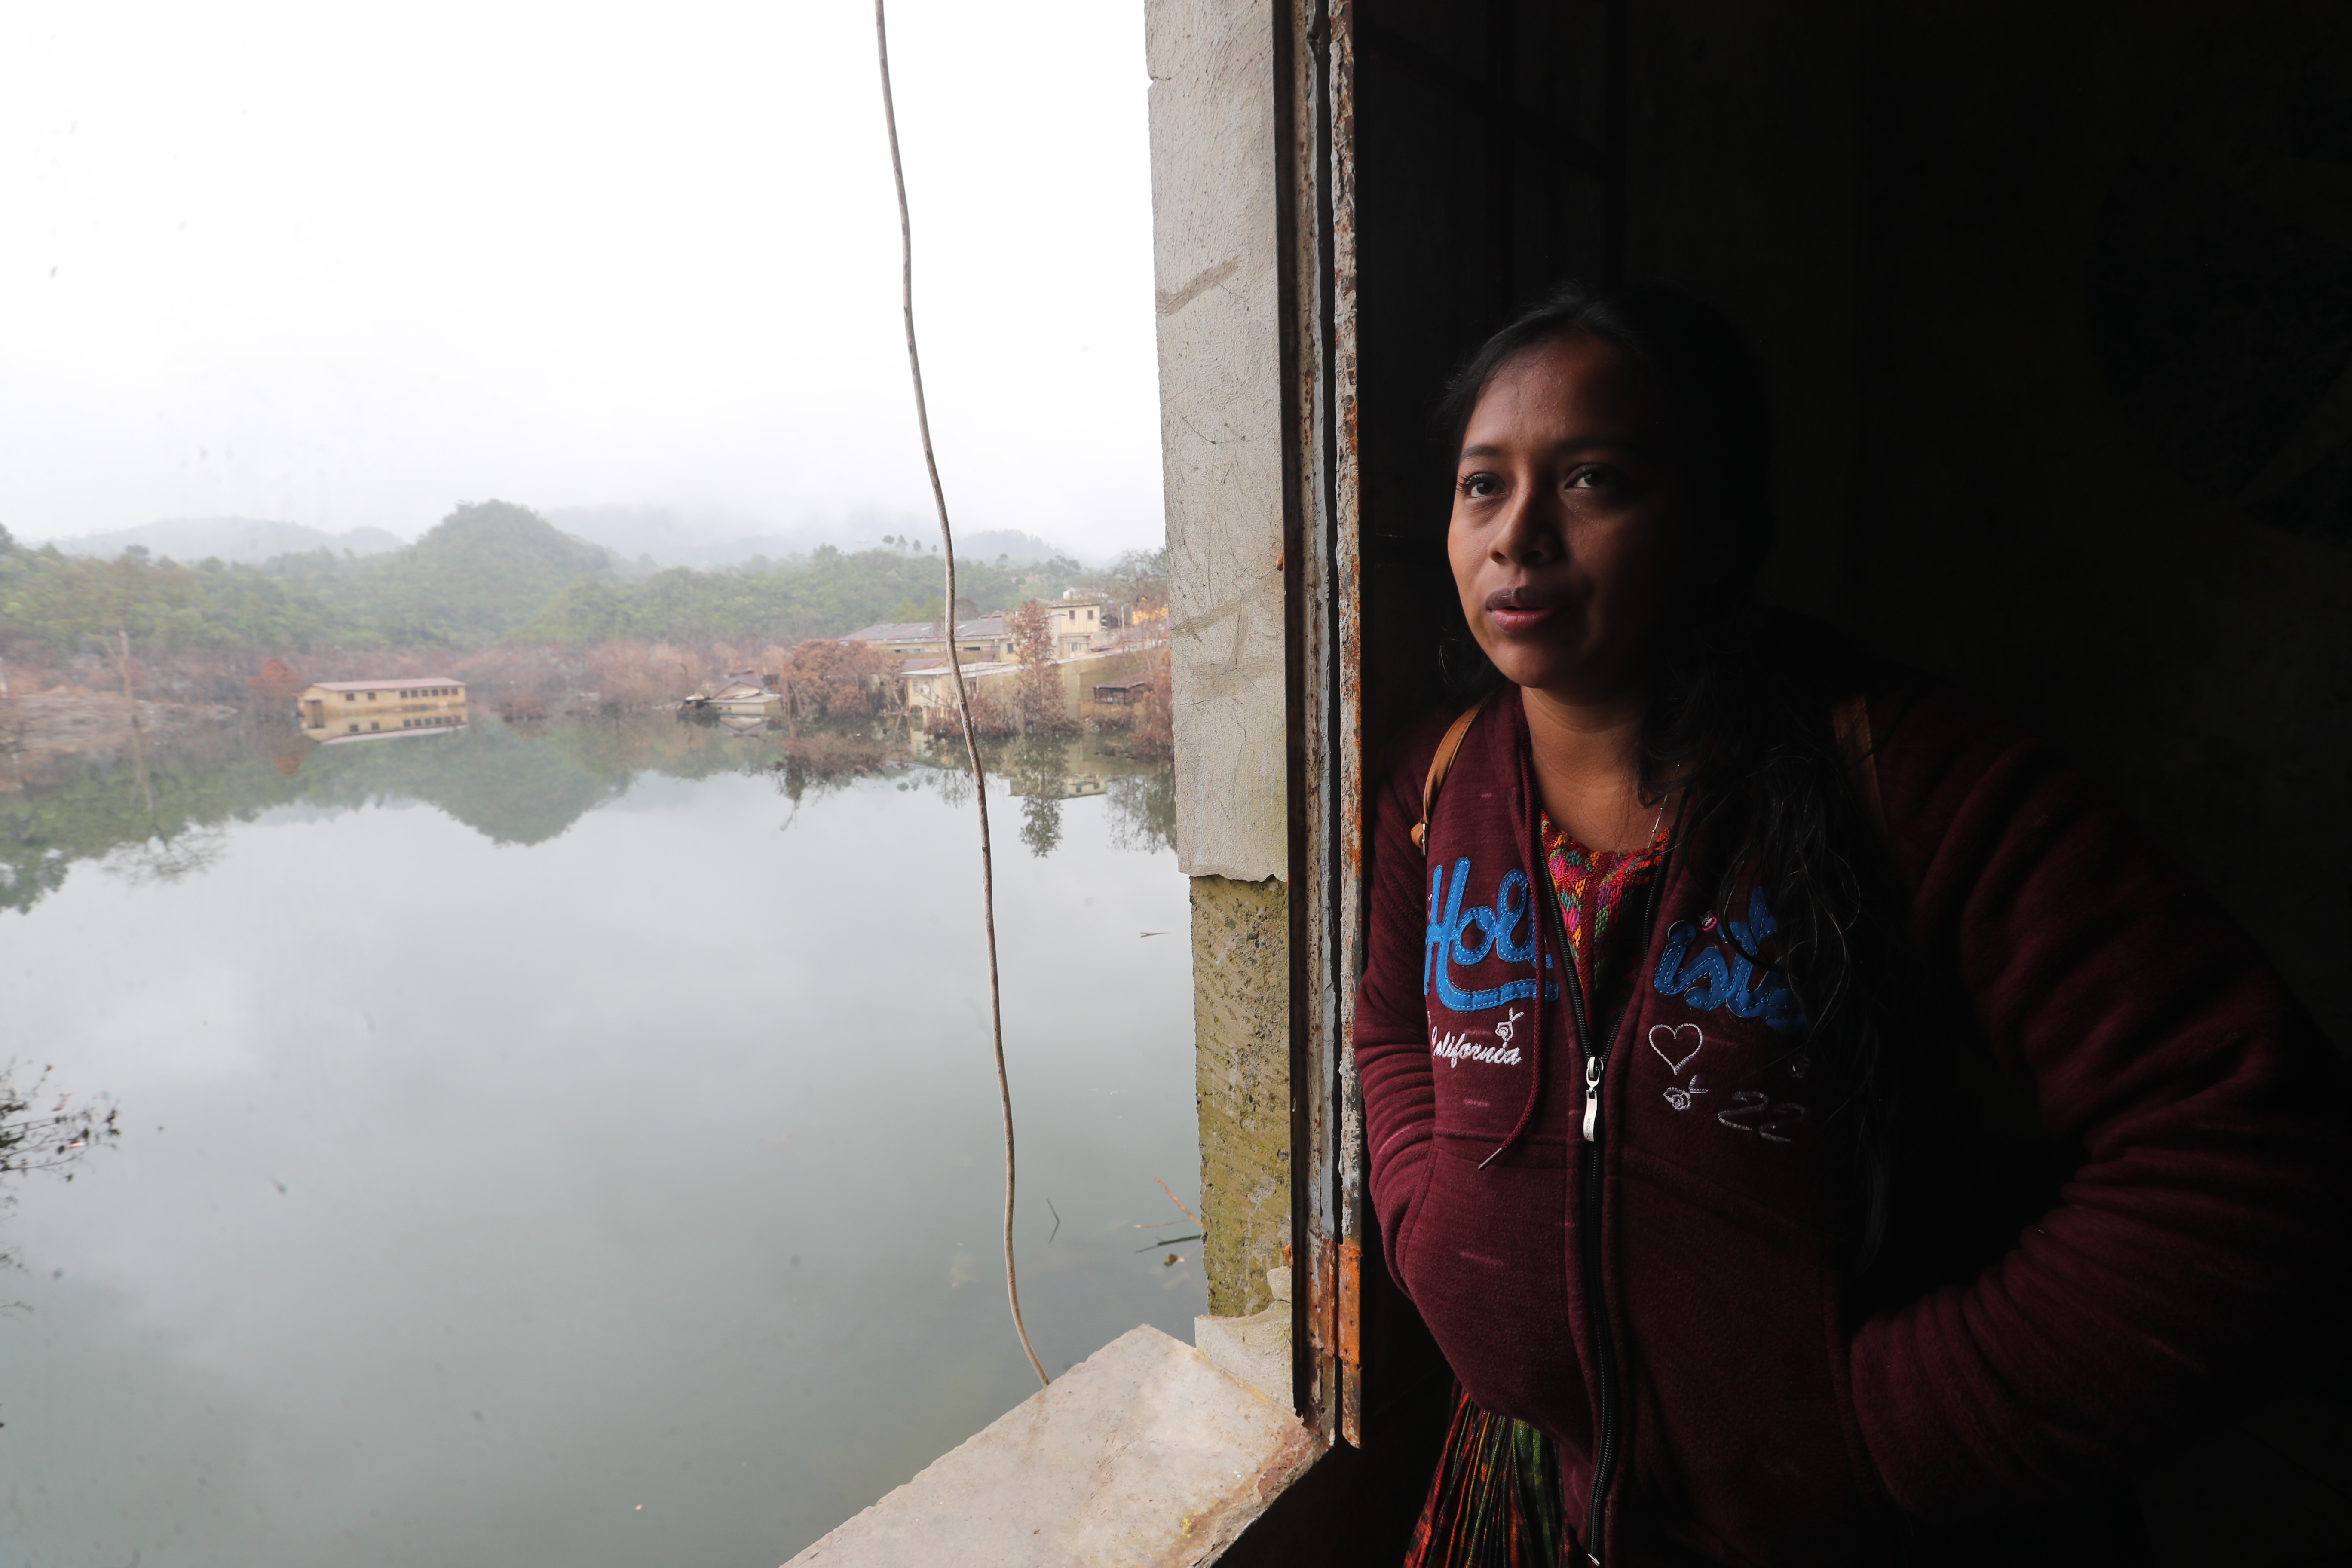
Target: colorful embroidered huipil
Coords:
[[1594, 885], [1496, 1502]]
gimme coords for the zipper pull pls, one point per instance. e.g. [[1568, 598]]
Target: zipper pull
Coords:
[[1592, 1098]]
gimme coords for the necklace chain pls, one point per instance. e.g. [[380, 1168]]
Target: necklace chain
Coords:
[[1666, 794]]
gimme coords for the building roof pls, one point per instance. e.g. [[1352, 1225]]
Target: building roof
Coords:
[[396, 684], [926, 631]]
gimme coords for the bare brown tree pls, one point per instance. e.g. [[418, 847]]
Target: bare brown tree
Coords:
[[1037, 694]]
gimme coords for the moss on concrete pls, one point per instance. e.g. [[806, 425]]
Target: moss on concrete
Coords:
[[1241, 1020]]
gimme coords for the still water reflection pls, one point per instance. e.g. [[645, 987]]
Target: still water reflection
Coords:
[[573, 1143]]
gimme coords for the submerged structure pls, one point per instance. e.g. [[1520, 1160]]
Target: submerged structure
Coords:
[[744, 694], [333, 710]]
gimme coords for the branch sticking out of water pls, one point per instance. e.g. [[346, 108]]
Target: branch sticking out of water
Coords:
[[51, 1140], [54, 1140], [1173, 1198]]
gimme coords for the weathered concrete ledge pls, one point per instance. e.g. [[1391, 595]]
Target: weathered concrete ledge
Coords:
[[1142, 1454], [1255, 1348]]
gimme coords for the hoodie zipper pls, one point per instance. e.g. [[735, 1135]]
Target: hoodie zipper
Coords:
[[1596, 1063]]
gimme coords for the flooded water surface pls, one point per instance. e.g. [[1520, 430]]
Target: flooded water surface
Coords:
[[573, 1142]]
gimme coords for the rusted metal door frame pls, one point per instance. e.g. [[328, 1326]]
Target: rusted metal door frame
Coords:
[[1316, 45], [1313, 49]]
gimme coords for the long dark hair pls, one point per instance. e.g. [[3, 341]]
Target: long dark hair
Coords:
[[1740, 714]]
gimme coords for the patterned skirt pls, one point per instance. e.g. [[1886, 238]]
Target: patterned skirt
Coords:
[[1495, 1501]]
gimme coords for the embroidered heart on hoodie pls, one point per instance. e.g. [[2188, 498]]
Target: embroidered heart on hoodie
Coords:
[[1666, 1039]]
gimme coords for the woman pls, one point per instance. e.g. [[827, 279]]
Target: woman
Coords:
[[1807, 1118]]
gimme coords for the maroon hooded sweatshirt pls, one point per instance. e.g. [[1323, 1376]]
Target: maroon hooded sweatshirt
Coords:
[[1666, 1288]]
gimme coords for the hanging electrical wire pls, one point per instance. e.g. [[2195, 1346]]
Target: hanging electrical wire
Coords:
[[955, 671]]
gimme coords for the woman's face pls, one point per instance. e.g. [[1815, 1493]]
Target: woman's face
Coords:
[[1570, 524]]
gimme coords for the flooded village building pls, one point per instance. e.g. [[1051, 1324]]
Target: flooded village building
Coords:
[[333, 710], [1077, 625], [982, 637], [930, 683], [1082, 642], [741, 693]]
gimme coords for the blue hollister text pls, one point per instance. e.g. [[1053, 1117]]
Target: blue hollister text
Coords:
[[1737, 980], [1469, 934]]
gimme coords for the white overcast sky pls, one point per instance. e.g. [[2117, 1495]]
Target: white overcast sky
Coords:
[[346, 265]]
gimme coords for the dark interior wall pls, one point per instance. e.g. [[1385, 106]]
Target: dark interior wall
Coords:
[[1747, 131], [2056, 306], [1482, 177], [2108, 452], [2054, 299]]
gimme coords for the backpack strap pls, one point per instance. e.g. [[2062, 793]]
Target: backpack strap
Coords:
[[1443, 763], [1860, 752]]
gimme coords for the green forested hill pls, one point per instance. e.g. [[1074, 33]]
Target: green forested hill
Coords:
[[825, 596], [480, 573], [55, 602], [489, 572], [483, 570]]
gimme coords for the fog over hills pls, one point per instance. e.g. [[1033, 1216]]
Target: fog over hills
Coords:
[[675, 539], [631, 533], [1021, 549], [494, 571], [247, 540]]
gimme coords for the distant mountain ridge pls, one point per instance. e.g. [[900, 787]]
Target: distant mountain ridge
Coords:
[[671, 540], [246, 540], [493, 570], [629, 533]]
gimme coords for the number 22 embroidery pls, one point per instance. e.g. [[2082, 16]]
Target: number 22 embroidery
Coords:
[[1752, 1111]]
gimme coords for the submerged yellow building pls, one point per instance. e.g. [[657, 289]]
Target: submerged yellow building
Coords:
[[335, 710]]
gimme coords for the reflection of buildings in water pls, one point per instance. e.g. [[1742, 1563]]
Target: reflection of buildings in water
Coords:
[[333, 710], [1061, 786], [408, 729], [739, 724]]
